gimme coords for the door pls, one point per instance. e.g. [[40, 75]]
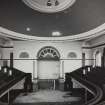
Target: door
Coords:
[[48, 69]]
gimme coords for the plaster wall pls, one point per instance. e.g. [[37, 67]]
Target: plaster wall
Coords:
[[30, 64]]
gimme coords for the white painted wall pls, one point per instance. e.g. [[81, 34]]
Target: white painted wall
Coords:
[[32, 47], [94, 50], [94, 42], [71, 65], [98, 59]]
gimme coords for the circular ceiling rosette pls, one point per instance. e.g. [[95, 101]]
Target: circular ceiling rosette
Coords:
[[49, 6]]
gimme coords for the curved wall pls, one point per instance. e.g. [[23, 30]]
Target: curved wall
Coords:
[[33, 47]]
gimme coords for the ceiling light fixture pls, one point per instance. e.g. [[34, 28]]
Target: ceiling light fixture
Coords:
[[49, 3], [56, 3], [28, 29], [56, 33]]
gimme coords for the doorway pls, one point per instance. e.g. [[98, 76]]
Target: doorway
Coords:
[[48, 68]]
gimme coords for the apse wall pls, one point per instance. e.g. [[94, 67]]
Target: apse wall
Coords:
[[32, 48], [97, 47]]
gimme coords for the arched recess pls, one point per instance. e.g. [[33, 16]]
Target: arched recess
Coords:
[[98, 58], [48, 63], [24, 55], [72, 55]]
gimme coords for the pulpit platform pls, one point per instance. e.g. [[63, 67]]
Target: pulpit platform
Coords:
[[48, 97]]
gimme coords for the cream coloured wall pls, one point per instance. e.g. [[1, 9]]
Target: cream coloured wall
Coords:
[[98, 45], [95, 42], [32, 47]]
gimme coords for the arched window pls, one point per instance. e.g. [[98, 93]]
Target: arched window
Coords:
[[72, 55], [48, 53], [24, 55]]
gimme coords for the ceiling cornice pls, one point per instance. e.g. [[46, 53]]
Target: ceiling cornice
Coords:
[[83, 36]]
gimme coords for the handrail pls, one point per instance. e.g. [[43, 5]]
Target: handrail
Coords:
[[98, 90], [9, 85], [14, 79], [2, 103], [98, 97], [102, 103]]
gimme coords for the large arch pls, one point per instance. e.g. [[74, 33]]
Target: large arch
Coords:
[[48, 70]]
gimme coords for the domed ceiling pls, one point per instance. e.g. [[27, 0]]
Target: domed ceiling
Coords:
[[80, 17]]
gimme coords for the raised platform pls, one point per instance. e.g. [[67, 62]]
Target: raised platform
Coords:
[[47, 96]]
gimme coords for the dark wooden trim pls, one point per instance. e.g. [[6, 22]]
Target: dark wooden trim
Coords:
[[11, 60], [6, 47], [77, 59], [83, 59], [86, 48]]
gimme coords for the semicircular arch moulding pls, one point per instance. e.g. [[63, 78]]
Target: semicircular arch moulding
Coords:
[[48, 53], [24, 55], [72, 55]]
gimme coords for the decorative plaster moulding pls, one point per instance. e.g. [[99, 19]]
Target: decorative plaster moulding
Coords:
[[41, 5]]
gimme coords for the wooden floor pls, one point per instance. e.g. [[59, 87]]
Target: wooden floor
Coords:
[[47, 96]]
